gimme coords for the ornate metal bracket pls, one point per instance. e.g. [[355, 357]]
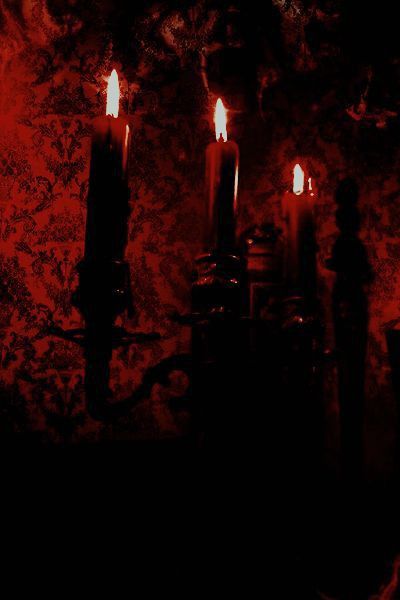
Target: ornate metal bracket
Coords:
[[104, 292]]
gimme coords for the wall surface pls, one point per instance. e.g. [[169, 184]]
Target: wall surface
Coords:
[[303, 82]]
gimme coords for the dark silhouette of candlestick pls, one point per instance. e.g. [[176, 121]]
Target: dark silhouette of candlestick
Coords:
[[104, 283], [350, 314]]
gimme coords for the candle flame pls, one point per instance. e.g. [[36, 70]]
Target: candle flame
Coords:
[[113, 95], [298, 180], [220, 121]]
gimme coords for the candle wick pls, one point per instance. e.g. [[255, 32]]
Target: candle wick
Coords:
[[220, 139]]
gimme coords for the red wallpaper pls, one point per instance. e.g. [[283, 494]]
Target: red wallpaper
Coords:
[[53, 62]]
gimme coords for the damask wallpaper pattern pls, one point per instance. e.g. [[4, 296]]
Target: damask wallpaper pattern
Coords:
[[291, 97]]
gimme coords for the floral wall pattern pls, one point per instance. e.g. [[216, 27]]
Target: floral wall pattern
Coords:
[[292, 97]]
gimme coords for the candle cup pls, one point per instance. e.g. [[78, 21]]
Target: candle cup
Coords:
[[218, 284], [104, 290]]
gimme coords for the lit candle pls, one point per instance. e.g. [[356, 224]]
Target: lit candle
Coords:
[[300, 237], [108, 197], [222, 168]]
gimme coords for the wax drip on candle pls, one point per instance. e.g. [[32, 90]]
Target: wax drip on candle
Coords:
[[220, 119]]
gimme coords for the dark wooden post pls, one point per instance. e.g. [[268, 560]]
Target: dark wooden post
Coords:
[[350, 313]]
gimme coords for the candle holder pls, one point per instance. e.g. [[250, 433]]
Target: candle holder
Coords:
[[303, 361], [103, 293], [263, 251], [103, 288], [218, 284], [219, 345]]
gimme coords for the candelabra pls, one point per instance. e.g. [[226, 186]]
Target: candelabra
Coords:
[[236, 353], [103, 293]]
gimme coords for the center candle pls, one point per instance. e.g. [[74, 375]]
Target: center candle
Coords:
[[300, 263], [222, 168], [108, 197]]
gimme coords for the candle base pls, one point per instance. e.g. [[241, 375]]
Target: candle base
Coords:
[[303, 366], [104, 289], [218, 284], [103, 293]]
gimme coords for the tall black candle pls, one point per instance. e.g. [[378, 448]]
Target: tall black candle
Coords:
[[108, 197], [222, 167]]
